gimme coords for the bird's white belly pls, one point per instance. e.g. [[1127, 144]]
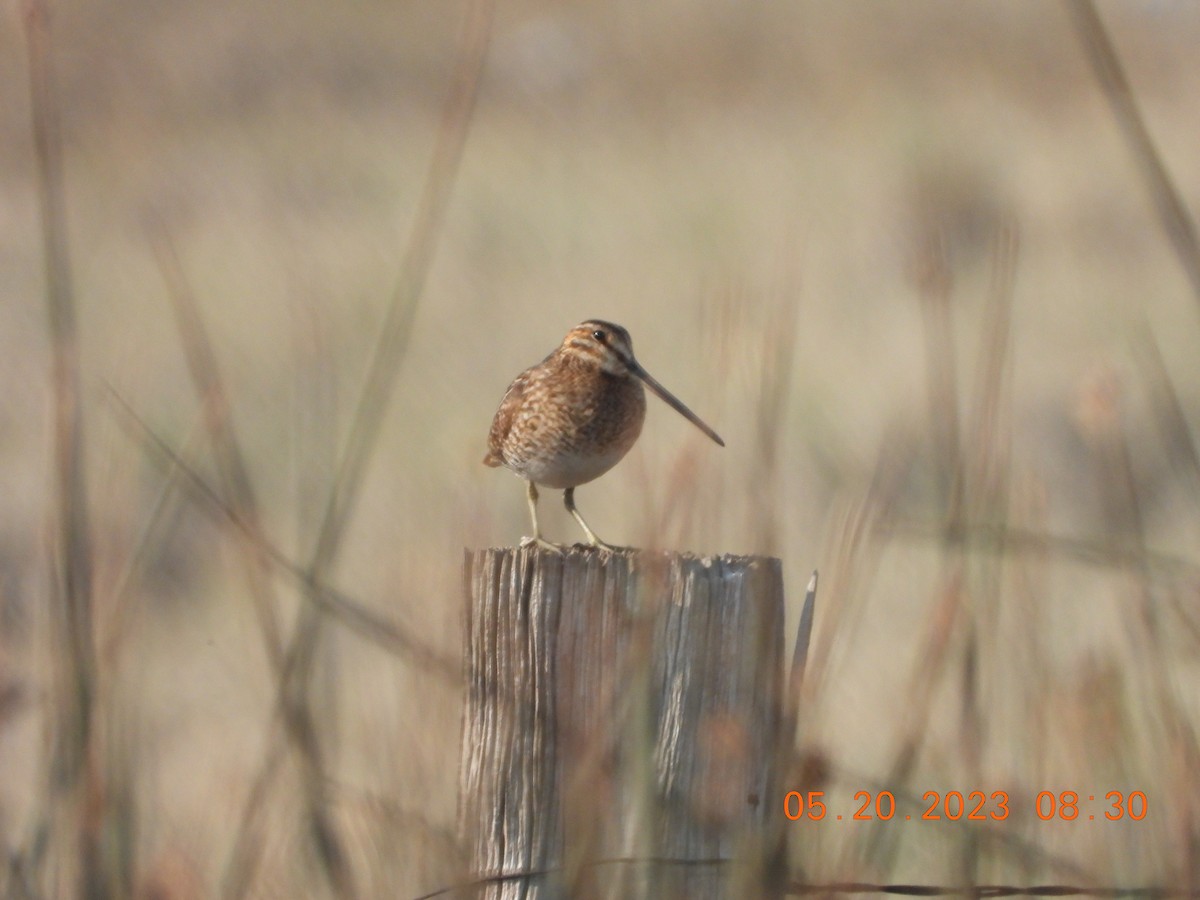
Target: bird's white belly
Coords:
[[566, 470]]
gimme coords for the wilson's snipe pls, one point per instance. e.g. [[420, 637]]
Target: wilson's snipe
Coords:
[[571, 418]]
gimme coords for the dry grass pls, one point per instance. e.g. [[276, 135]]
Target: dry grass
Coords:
[[905, 256]]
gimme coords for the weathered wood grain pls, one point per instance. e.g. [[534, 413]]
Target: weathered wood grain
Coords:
[[621, 724]]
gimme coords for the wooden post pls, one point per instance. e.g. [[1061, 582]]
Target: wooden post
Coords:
[[622, 723]]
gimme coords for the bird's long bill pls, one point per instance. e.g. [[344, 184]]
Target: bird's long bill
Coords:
[[674, 402]]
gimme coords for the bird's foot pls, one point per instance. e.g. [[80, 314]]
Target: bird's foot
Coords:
[[596, 544], [539, 541]]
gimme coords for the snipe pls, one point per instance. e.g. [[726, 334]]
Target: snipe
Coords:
[[573, 416]]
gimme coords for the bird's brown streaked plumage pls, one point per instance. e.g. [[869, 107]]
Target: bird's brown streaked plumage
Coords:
[[573, 416]]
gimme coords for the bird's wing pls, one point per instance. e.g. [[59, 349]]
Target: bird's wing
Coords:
[[502, 423]]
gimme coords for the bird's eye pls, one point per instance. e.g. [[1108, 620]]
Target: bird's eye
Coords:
[[600, 336]]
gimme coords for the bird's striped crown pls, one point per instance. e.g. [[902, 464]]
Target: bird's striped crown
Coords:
[[600, 343]]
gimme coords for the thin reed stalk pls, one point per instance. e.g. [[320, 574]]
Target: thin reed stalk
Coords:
[[216, 406], [1110, 74], [76, 823]]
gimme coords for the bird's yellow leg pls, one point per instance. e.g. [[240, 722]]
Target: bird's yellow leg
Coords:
[[569, 501], [537, 538]]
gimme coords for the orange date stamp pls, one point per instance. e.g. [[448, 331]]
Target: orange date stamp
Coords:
[[972, 806]]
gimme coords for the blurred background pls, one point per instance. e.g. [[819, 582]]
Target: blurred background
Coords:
[[897, 253]]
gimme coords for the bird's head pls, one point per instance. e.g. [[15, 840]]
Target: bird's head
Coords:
[[602, 344], [599, 343]]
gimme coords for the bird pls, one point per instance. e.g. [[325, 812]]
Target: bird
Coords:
[[573, 416]]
